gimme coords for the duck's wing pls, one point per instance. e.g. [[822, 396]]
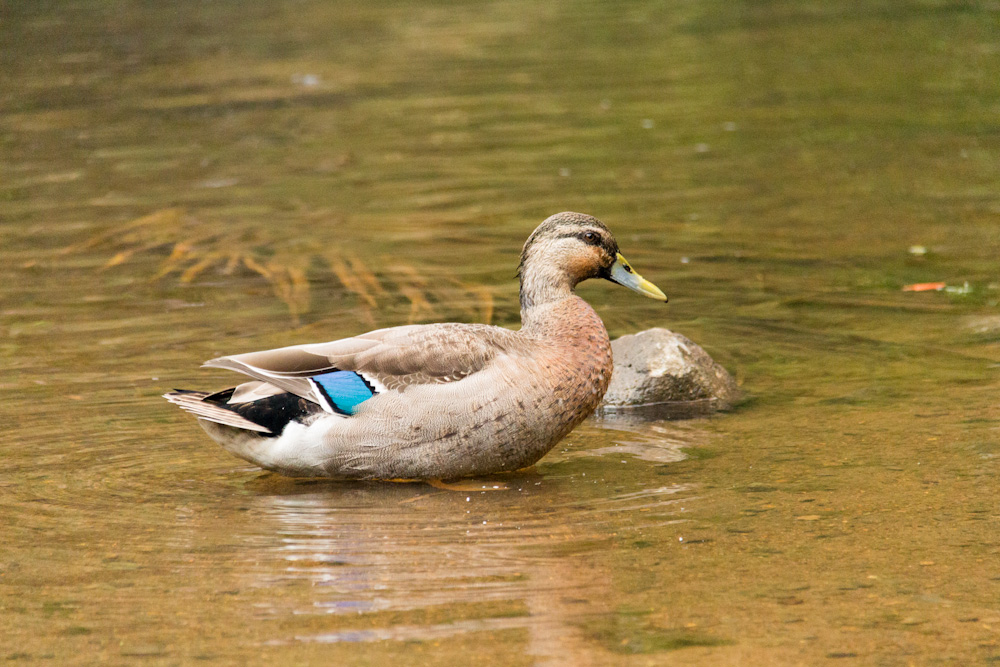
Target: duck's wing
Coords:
[[342, 374]]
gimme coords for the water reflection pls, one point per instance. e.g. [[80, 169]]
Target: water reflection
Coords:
[[647, 439], [521, 558]]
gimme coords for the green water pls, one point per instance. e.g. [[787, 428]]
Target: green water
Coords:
[[184, 180]]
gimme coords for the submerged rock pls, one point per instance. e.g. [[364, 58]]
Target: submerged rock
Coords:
[[664, 374]]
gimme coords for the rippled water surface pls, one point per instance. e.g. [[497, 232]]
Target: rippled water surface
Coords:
[[184, 180]]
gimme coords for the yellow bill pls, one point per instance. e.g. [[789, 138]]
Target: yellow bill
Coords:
[[623, 274]]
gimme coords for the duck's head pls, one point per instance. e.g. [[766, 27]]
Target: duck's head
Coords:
[[568, 248]]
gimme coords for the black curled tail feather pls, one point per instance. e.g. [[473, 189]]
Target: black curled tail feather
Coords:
[[266, 416]]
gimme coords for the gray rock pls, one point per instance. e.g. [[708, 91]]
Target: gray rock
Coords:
[[663, 374]]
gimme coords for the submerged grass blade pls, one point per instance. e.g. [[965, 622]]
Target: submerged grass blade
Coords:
[[484, 299], [365, 276], [413, 286], [164, 219], [352, 282], [193, 271]]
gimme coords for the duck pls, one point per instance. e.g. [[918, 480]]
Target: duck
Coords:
[[433, 401]]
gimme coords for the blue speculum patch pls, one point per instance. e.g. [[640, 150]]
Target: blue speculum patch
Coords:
[[344, 389]]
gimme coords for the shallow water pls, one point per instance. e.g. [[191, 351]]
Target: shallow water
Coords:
[[182, 182]]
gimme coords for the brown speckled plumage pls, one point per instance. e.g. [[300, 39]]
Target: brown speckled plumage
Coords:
[[453, 399]]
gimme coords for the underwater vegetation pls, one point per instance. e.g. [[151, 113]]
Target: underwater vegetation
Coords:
[[187, 248]]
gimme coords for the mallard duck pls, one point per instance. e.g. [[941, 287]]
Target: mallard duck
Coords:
[[433, 401]]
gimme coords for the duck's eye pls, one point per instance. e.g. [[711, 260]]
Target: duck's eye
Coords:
[[590, 237]]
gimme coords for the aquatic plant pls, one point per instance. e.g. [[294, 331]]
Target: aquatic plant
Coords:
[[193, 247]]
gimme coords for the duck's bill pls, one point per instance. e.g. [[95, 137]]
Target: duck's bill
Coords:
[[623, 274]]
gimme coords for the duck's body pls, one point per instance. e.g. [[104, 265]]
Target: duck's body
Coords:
[[437, 400]]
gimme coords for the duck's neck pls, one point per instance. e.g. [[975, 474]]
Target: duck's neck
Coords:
[[558, 313], [542, 288]]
